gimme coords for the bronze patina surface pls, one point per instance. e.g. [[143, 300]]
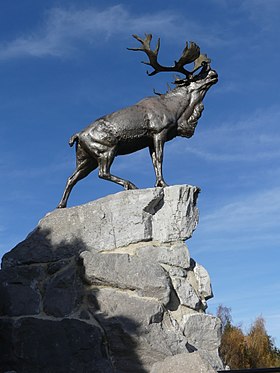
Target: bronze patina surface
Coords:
[[149, 123]]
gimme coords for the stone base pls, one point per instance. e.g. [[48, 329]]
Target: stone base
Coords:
[[109, 287]]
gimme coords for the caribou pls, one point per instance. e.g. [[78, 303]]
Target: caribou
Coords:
[[147, 124]]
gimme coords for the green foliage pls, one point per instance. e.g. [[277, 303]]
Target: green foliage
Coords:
[[254, 349]]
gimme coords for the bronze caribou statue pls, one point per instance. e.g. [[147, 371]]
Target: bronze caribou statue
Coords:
[[149, 123]]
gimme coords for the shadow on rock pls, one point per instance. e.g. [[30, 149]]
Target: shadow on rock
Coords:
[[50, 320]]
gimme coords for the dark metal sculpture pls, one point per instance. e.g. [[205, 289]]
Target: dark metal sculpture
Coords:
[[149, 123]]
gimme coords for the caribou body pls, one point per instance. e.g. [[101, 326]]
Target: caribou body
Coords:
[[149, 123]]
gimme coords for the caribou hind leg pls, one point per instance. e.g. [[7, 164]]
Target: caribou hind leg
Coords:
[[85, 165], [104, 164]]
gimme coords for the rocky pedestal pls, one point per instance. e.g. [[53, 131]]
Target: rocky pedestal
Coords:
[[109, 287]]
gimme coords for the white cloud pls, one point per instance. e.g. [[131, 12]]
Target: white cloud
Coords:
[[257, 212], [250, 223], [63, 28]]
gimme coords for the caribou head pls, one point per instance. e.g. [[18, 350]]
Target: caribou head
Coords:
[[193, 86], [149, 123]]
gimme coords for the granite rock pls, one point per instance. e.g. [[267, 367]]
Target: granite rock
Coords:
[[63, 293], [186, 293], [203, 281], [19, 291], [187, 363], [39, 345], [174, 255], [160, 214], [127, 272], [109, 287], [203, 333]]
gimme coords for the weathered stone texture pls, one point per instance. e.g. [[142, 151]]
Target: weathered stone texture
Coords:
[[109, 287], [38, 345], [187, 363], [203, 333], [127, 272], [203, 280], [19, 291], [63, 293], [156, 214]]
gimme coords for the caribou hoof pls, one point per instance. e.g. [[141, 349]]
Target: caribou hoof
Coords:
[[61, 206], [161, 184], [130, 186]]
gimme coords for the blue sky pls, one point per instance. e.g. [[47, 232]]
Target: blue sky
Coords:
[[65, 63]]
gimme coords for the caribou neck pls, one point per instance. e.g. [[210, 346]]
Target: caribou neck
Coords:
[[181, 98]]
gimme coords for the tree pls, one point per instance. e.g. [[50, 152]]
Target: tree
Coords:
[[233, 350], [224, 314], [261, 349], [238, 350]]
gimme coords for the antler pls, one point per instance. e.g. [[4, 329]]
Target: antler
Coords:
[[190, 54], [201, 61]]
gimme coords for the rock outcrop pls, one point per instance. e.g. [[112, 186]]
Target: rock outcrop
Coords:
[[107, 287]]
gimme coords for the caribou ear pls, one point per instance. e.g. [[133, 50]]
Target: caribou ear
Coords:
[[201, 61], [182, 82]]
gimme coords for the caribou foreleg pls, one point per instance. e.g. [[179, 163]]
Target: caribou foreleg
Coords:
[[156, 152]]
